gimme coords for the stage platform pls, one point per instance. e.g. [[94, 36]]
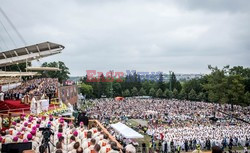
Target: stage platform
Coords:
[[16, 106]]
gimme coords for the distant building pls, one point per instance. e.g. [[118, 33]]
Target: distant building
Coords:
[[183, 77]]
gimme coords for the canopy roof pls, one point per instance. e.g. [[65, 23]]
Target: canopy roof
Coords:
[[42, 69], [126, 131], [16, 74], [29, 53]]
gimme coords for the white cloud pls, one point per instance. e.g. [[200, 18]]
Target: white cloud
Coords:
[[144, 35]]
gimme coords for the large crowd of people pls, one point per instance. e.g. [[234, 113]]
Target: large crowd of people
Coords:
[[176, 125], [66, 137], [7, 80], [35, 87], [180, 123]]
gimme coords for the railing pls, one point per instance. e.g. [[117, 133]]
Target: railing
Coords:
[[17, 109], [96, 122]]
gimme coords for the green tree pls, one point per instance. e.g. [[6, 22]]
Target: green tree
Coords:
[[193, 84], [247, 98], [142, 92], [126, 93], [201, 96], [215, 85], [152, 92], [159, 93], [62, 75], [192, 95], [175, 93], [86, 90], [146, 85], [243, 72], [175, 84], [117, 89], [182, 94], [134, 91], [160, 82], [170, 94], [234, 89], [167, 94], [16, 67]]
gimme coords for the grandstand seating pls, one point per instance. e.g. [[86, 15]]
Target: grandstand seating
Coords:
[[7, 80]]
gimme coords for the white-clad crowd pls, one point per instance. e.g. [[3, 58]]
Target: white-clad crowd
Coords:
[[202, 134], [66, 138], [180, 122]]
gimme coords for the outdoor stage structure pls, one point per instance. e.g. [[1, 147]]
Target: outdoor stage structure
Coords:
[[24, 55], [29, 53]]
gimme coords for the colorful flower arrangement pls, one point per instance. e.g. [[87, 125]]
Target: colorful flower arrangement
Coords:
[[6, 122], [56, 111]]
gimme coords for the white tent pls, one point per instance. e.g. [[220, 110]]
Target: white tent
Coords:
[[126, 131]]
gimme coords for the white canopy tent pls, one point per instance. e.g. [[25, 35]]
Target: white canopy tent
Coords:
[[126, 131]]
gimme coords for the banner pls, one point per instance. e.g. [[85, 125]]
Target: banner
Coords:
[[68, 94]]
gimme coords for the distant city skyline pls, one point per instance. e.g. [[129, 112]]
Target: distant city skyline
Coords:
[[179, 77]]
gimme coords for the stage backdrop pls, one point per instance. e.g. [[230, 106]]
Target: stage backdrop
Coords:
[[68, 94]]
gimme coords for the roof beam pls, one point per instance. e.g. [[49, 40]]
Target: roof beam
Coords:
[[37, 47], [15, 53], [49, 46], [27, 50], [4, 55]]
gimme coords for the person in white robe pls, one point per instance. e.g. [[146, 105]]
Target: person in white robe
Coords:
[[39, 107], [33, 105]]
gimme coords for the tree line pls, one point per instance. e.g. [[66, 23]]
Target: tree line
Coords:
[[62, 74], [226, 85]]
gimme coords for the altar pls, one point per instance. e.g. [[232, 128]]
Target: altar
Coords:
[[44, 104]]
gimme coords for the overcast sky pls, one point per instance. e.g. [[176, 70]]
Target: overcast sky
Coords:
[[144, 35]]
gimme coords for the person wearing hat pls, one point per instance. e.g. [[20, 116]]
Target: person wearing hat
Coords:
[[81, 127], [34, 143], [76, 135], [15, 139]]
